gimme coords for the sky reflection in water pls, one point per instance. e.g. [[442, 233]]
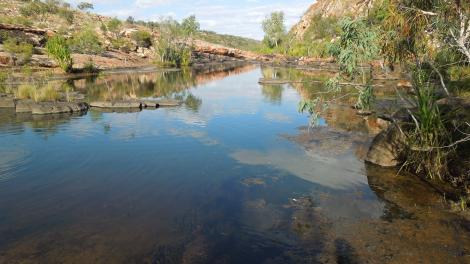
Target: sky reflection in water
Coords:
[[213, 182]]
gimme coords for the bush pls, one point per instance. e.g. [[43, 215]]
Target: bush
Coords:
[[174, 55], [58, 49], [20, 50], [143, 38], [121, 44], [114, 25], [85, 42]]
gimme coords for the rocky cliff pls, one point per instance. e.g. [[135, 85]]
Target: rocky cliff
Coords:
[[329, 8]]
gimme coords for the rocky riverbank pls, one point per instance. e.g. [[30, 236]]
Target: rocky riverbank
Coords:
[[57, 107]]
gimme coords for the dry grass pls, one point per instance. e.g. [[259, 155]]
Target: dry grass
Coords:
[[41, 94]]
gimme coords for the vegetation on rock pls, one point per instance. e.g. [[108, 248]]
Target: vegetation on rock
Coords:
[[59, 50]]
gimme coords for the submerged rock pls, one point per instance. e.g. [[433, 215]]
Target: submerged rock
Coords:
[[386, 148]]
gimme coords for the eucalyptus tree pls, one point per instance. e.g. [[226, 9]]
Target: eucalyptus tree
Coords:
[[85, 6], [274, 29], [190, 25], [355, 49]]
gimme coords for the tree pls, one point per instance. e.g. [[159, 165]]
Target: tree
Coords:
[[274, 29], [84, 6], [130, 20], [190, 25]]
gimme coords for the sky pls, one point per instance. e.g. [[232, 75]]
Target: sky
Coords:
[[239, 17]]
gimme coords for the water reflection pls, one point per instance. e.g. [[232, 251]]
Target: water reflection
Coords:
[[232, 176]]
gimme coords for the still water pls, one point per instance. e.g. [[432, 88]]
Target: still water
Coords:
[[233, 175]]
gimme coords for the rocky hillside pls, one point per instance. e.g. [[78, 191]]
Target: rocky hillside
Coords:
[[106, 41], [329, 8]]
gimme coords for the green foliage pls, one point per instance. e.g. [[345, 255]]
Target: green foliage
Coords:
[[114, 25], [171, 51], [85, 41], [190, 25], [17, 20], [358, 44], [58, 49], [121, 44], [322, 28], [365, 97], [84, 6], [428, 134], [21, 51], [229, 40], [143, 38], [37, 8], [314, 107], [3, 80], [174, 55], [274, 29]]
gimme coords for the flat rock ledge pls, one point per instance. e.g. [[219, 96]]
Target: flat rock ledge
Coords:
[[117, 104], [42, 108], [47, 108], [135, 104]]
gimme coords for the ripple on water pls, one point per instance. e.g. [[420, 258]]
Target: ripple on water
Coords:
[[12, 161]]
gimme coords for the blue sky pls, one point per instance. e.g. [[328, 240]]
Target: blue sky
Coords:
[[242, 17]]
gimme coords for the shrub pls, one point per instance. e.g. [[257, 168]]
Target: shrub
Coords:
[[58, 49], [121, 44], [85, 42], [143, 38], [174, 55], [20, 50], [428, 134], [114, 25]]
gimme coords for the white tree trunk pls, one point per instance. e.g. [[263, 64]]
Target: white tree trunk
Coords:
[[462, 37]]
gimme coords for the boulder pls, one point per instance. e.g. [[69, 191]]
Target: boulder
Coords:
[[7, 102], [116, 104], [386, 148], [6, 59]]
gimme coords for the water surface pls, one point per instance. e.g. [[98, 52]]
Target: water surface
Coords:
[[234, 175]]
